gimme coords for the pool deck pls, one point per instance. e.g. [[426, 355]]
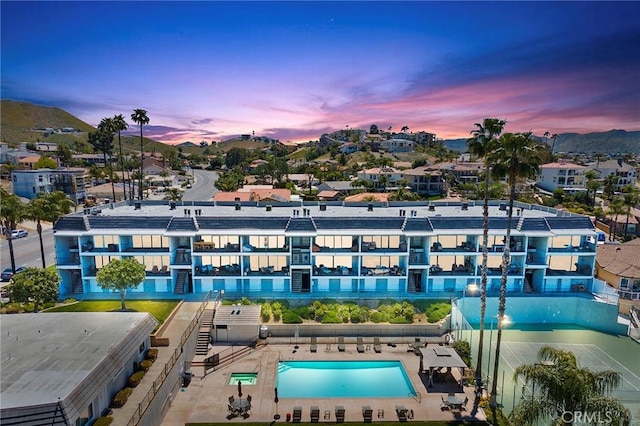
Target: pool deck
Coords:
[[205, 399]]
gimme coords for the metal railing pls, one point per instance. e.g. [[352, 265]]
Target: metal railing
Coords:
[[157, 384]]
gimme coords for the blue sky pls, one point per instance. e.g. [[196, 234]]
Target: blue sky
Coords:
[[294, 70]]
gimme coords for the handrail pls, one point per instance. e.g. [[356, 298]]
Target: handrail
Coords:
[[417, 396]]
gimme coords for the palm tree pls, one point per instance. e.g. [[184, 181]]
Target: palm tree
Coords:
[[404, 129], [614, 209], [12, 212], [139, 116], [629, 200], [484, 137], [564, 387], [546, 138], [592, 185], [516, 155], [48, 207], [107, 126], [173, 194], [119, 124], [553, 146], [610, 184]]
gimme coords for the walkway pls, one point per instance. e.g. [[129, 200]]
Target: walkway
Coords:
[[174, 331]]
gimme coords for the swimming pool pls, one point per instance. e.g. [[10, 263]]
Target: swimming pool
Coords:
[[244, 378], [343, 379]]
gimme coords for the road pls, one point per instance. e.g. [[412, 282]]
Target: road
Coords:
[[27, 250], [203, 188]]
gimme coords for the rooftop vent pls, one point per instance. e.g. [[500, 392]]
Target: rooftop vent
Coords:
[[370, 207], [414, 213], [323, 207], [237, 206], [268, 207], [503, 207], [432, 208], [172, 205], [403, 212], [465, 206], [136, 205]]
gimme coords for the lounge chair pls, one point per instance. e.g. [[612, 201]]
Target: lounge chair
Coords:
[[444, 405], [341, 344], [367, 414], [416, 345], [315, 414], [376, 345], [339, 414], [297, 414], [401, 412], [314, 344], [360, 345], [464, 404]]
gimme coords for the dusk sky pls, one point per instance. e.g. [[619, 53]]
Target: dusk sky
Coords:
[[295, 70]]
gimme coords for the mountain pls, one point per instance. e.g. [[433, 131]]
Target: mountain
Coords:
[[611, 142], [24, 122]]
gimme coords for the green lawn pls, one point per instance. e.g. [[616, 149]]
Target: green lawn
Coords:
[[160, 309]]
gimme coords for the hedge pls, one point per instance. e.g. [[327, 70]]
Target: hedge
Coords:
[[134, 379], [152, 354], [121, 398], [146, 365], [103, 421]]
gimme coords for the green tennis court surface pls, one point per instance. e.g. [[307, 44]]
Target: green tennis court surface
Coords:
[[594, 350]]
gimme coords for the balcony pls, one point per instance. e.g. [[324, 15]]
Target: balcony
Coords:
[[629, 294]]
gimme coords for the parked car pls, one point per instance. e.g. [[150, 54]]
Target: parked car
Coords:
[[7, 274], [18, 233]]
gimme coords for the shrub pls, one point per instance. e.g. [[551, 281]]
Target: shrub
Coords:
[[400, 320], [47, 305], [265, 312], [134, 379], [303, 311], [103, 421], [463, 349], [152, 354], [121, 397], [11, 309], [291, 317], [331, 317], [146, 365], [438, 311], [377, 317]]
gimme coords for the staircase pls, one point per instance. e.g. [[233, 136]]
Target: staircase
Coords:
[[520, 222], [181, 280], [411, 285], [296, 281], [206, 323], [77, 284], [528, 288]]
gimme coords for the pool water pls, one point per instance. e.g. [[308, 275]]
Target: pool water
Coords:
[[244, 378], [343, 379]]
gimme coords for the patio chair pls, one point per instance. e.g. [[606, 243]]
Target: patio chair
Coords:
[[315, 414], [360, 345], [401, 412], [367, 414], [314, 344], [376, 345], [154, 270], [339, 414], [297, 414], [341, 344], [464, 403], [444, 405]]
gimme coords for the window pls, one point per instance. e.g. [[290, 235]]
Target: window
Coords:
[[142, 346]]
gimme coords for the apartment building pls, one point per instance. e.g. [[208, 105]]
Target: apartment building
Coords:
[[566, 176], [332, 249]]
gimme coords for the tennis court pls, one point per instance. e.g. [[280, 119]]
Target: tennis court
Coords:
[[594, 350]]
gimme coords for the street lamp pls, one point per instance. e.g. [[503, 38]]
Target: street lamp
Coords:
[[505, 321]]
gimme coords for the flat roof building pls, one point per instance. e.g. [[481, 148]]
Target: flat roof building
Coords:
[[326, 249], [65, 368]]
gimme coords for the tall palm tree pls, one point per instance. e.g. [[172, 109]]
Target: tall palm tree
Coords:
[[565, 387], [48, 207], [119, 124], [592, 185], [108, 128], [484, 137], [614, 209], [553, 146], [516, 155], [140, 117], [610, 185], [629, 200], [12, 212]]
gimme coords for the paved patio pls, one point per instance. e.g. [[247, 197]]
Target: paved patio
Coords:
[[205, 399]]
